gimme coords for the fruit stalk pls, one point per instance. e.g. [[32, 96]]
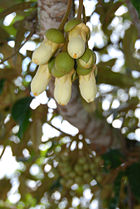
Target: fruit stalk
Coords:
[[61, 26]]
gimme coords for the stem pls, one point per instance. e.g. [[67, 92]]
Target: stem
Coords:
[[130, 198], [134, 15], [84, 15], [80, 9], [61, 26]]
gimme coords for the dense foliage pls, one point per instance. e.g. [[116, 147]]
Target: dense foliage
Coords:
[[62, 170]]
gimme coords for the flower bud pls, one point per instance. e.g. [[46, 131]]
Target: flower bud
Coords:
[[88, 59], [77, 39], [76, 47], [71, 24], [40, 80], [62, 90], [87, 85], [44, 52]]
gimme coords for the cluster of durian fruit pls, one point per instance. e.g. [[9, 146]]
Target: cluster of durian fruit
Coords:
[[63, 55], [77, 169]]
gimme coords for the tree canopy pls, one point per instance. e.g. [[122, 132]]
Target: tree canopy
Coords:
[[81, 155]]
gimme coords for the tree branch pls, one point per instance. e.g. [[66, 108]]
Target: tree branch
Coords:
[[134, 15]]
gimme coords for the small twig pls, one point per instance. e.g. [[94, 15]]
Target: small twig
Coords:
[[113, 174], [12, 55], [58, 129], [66, 15], [2, 151], [130, 197], [80, 9], [134, 15]]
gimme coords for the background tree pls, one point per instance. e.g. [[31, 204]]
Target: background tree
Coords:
[[100, 161]]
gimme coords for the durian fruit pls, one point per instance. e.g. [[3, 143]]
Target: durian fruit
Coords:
[[61, 65], [78, 34], [64, 63], [83, 71], [62, 90], [53, 39], [52, 69], [88, 59], [87, 86], [40, 80], [86, 62]]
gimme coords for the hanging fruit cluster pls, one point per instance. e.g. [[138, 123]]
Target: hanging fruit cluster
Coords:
[[77, 168], [62, 55]]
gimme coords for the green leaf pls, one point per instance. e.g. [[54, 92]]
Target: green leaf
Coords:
[[1, 85], [136, 4], [112, 158], [21, 112], [131, 62], [116, 188], [133, 174]]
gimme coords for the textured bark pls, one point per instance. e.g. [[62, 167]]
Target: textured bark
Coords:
[[50, 13], [101, 134]]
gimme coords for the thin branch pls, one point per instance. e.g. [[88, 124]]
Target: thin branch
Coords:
[[2, 151], [134, 15], [58, 129], [16, 51], [130, 197], [80, 9], [66, 15]]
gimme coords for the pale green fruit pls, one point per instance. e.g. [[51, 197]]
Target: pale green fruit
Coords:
[[56, 73], [87, 85], [69, 183], [99, 179], [79, 180], [66, 170], [40, 80], [53, 70], [78, 168], [51, 64], [71, 174], [62, 181], [87, 177], [82, 160], [64, 63], [62, 90], [42, 54], [93, 172], [92, 166], [88, 59], [76, 47], [85, 167], [71, 24], [55, 35]]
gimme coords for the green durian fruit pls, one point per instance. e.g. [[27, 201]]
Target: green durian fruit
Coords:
[[64, 63], [88, 59], [83, 71], [56, 73], [51, 64], [71, 24], [55, 35], [53, 70]]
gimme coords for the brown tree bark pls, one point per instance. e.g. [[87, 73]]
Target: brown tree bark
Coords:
[[101, 134]]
